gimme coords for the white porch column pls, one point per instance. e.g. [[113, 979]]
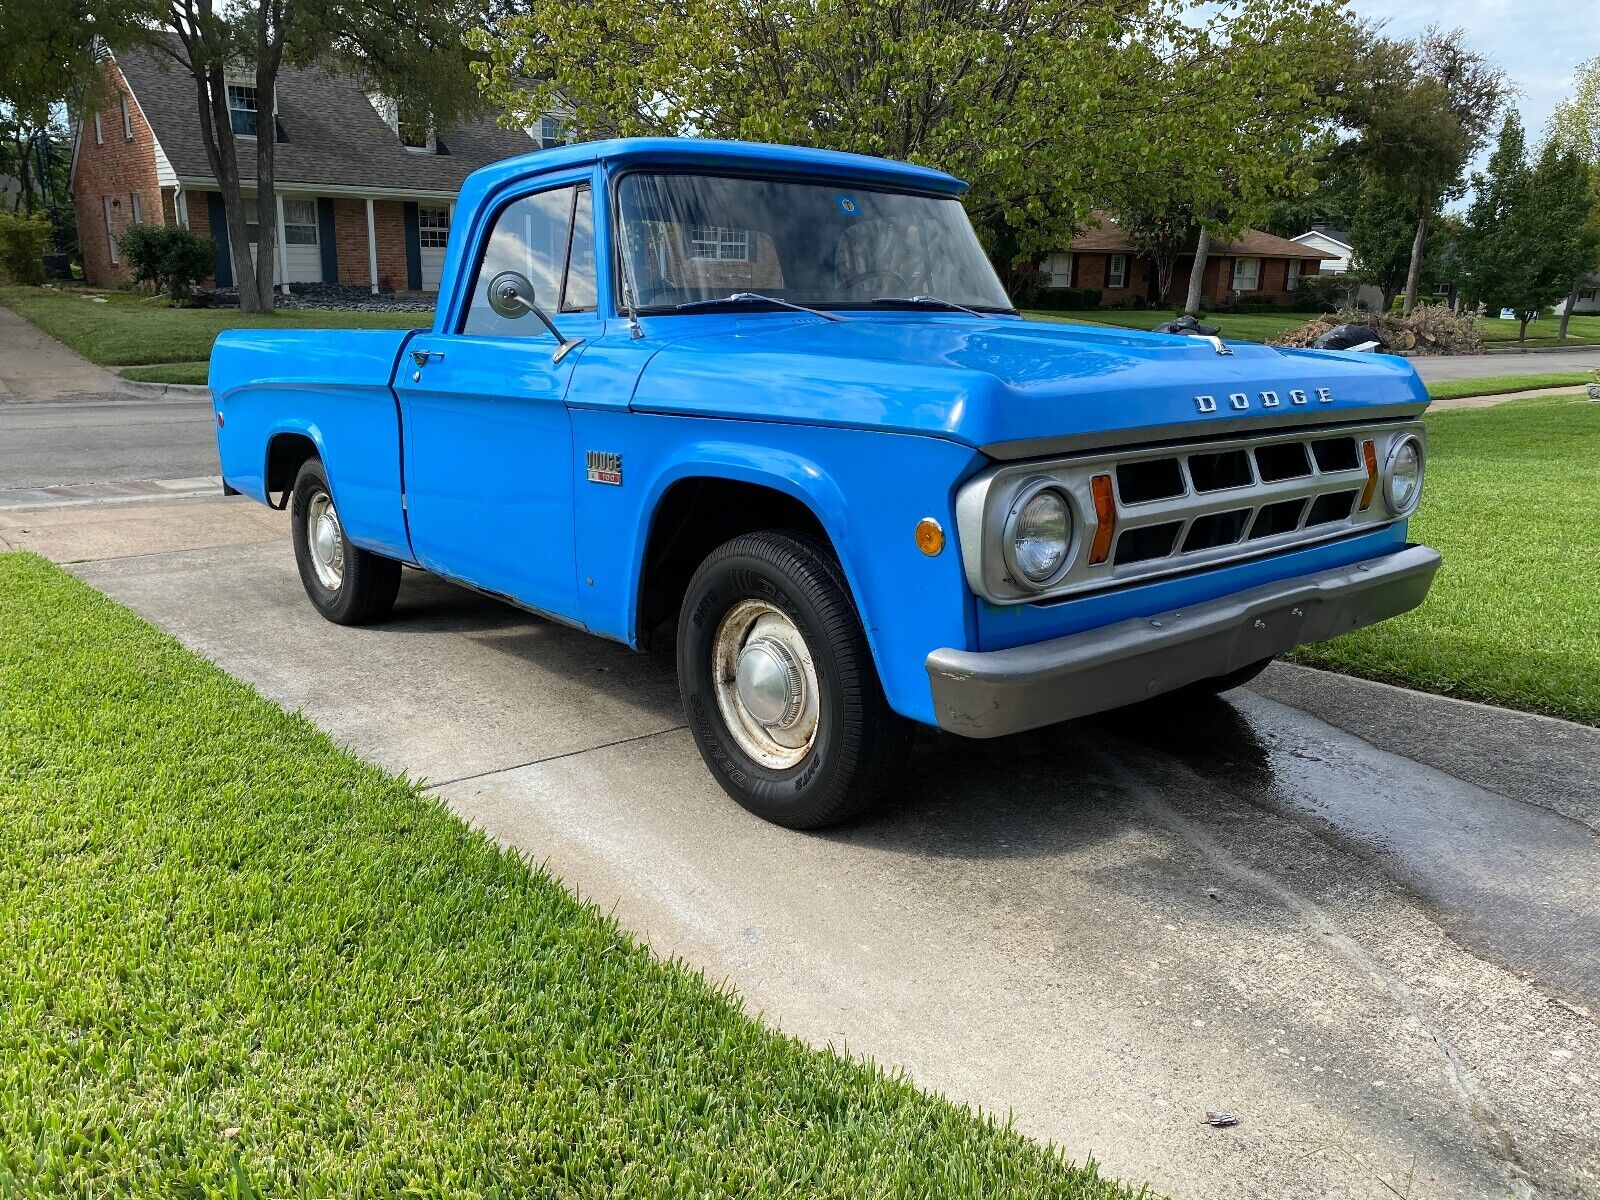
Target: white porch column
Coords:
[[283, 256], [372, 248]]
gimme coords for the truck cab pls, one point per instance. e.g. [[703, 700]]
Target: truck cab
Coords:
[[774, 404]]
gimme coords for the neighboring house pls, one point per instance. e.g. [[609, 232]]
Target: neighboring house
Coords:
[[1255, 266], [1588, 297], [1338, 256], [364, 196]]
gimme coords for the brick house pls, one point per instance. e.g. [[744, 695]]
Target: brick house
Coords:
[[364, 197], [1256, 266]]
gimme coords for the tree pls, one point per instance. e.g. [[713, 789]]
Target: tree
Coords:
[[1526, 234], [1039, 104], [412, 50], [1382, 230], [1575, 126], [1421, 117]]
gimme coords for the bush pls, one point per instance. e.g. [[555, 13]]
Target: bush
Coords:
[[1070, 298], [1258, 305], [168, 257], [1324, 293], [22, 243]]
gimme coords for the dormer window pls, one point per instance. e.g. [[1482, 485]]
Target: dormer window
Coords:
[[242, 110], [414, 128]]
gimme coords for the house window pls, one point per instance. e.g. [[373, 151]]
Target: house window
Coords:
[[433, 227], [1058, 270], [1117, 272], [127, 119], [111, 230], [299, 222], [99, 133], [1291, 278], [712, 242], [138, 208], [551, 132], [242, 109], [1246, 274], [414, 127]]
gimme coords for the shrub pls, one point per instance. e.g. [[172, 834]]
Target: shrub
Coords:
[[22, 243], [168, 257], [1324, 293], [1070, 298]]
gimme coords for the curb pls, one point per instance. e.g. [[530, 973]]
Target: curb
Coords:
[[1510, 350], [175, 391]]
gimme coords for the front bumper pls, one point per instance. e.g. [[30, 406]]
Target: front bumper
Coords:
[[990, 693]]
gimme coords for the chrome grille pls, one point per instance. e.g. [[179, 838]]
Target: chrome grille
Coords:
[[1180, 508]]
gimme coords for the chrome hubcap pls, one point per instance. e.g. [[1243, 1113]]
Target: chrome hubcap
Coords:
[[766, 684], [326, 538]]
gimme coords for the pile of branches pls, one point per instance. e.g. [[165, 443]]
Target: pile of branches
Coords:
[[1430, 329]]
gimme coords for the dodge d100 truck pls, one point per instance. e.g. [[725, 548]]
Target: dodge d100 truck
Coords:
[[774, 402]]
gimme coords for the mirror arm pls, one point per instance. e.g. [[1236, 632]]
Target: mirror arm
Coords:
[[566, 344]]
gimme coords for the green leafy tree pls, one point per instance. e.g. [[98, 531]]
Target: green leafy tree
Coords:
[[1526, 233], [1382, 230], [412, 50], [1421, 113], [1575, 126], [1039, 104]]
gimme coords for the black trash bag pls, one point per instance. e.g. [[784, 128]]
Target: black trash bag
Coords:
[[1187, 324], [1350, 337]]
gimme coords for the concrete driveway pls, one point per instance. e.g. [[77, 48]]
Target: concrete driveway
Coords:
[[1366, 921]]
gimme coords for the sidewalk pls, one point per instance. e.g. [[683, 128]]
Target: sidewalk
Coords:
[[35, 368]]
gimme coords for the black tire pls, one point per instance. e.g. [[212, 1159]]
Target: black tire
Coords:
[[369, 582], [859, 741]]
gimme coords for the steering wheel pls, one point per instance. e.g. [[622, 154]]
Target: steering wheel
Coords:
[[903, 284]]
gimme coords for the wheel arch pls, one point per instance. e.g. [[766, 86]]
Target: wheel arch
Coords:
[[288, 449]]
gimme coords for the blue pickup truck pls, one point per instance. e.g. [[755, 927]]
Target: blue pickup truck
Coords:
[[774, 404]]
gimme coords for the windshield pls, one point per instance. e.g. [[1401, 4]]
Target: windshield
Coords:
[[687, 239]]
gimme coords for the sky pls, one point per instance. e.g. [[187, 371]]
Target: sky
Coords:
[[1539, 43]]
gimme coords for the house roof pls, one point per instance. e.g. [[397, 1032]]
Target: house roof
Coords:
[[1107, 237], [335, 138], [1340, 236]]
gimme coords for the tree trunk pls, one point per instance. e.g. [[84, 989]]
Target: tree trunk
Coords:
[[1566, 313], [1414, 272], [269, 53], [1197, 273]]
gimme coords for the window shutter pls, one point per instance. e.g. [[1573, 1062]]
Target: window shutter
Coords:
[[326, 234], [413, 248], [219, 234]]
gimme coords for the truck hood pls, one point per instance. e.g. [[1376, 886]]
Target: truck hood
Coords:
[[1009, 387]]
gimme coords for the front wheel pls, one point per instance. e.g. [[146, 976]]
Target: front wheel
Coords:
[[348, 585], [779, 686]]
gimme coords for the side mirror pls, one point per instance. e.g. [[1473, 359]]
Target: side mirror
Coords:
[[511, 295]]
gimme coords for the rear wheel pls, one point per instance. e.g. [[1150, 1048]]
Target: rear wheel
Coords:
[[779, 686], [348, 585]]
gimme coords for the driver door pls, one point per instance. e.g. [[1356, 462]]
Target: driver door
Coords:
[[488, 441]]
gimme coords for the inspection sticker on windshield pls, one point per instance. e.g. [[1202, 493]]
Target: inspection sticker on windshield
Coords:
[[849, 207]]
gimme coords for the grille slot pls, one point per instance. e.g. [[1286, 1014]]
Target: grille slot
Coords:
[[1286, 460], [1220, 471], [1216, 529], [1273, 519], [1334, 506], [1149, 479], [1152, 541], [1335, 454]]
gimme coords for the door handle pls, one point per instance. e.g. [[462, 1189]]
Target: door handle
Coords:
[[421, 357]]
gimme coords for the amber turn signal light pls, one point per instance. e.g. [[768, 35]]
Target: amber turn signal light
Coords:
[[930, 537], [1105, 519], [1369, 455]]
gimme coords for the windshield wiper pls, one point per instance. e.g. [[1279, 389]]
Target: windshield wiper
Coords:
[[931, 302], [755, 298]]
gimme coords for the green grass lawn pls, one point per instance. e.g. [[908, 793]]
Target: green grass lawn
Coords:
[[1583, 330], [1247, 327], [236, 962], [130, 329], [1499, 385], [1512, 501]]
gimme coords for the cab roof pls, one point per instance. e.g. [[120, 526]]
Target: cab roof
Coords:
[[703, 153]]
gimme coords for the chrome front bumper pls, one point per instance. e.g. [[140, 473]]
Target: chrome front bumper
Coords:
[[990, 693]]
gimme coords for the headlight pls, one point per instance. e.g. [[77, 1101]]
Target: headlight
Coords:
[[1402, 476], [1038, 534]]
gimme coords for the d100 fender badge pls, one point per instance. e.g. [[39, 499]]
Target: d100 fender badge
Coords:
[[604, 466]]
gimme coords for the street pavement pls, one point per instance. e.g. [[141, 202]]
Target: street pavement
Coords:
[[1483, 366], [1365, 920]]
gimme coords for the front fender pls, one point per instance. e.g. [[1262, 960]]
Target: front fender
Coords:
[[867, 489]]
